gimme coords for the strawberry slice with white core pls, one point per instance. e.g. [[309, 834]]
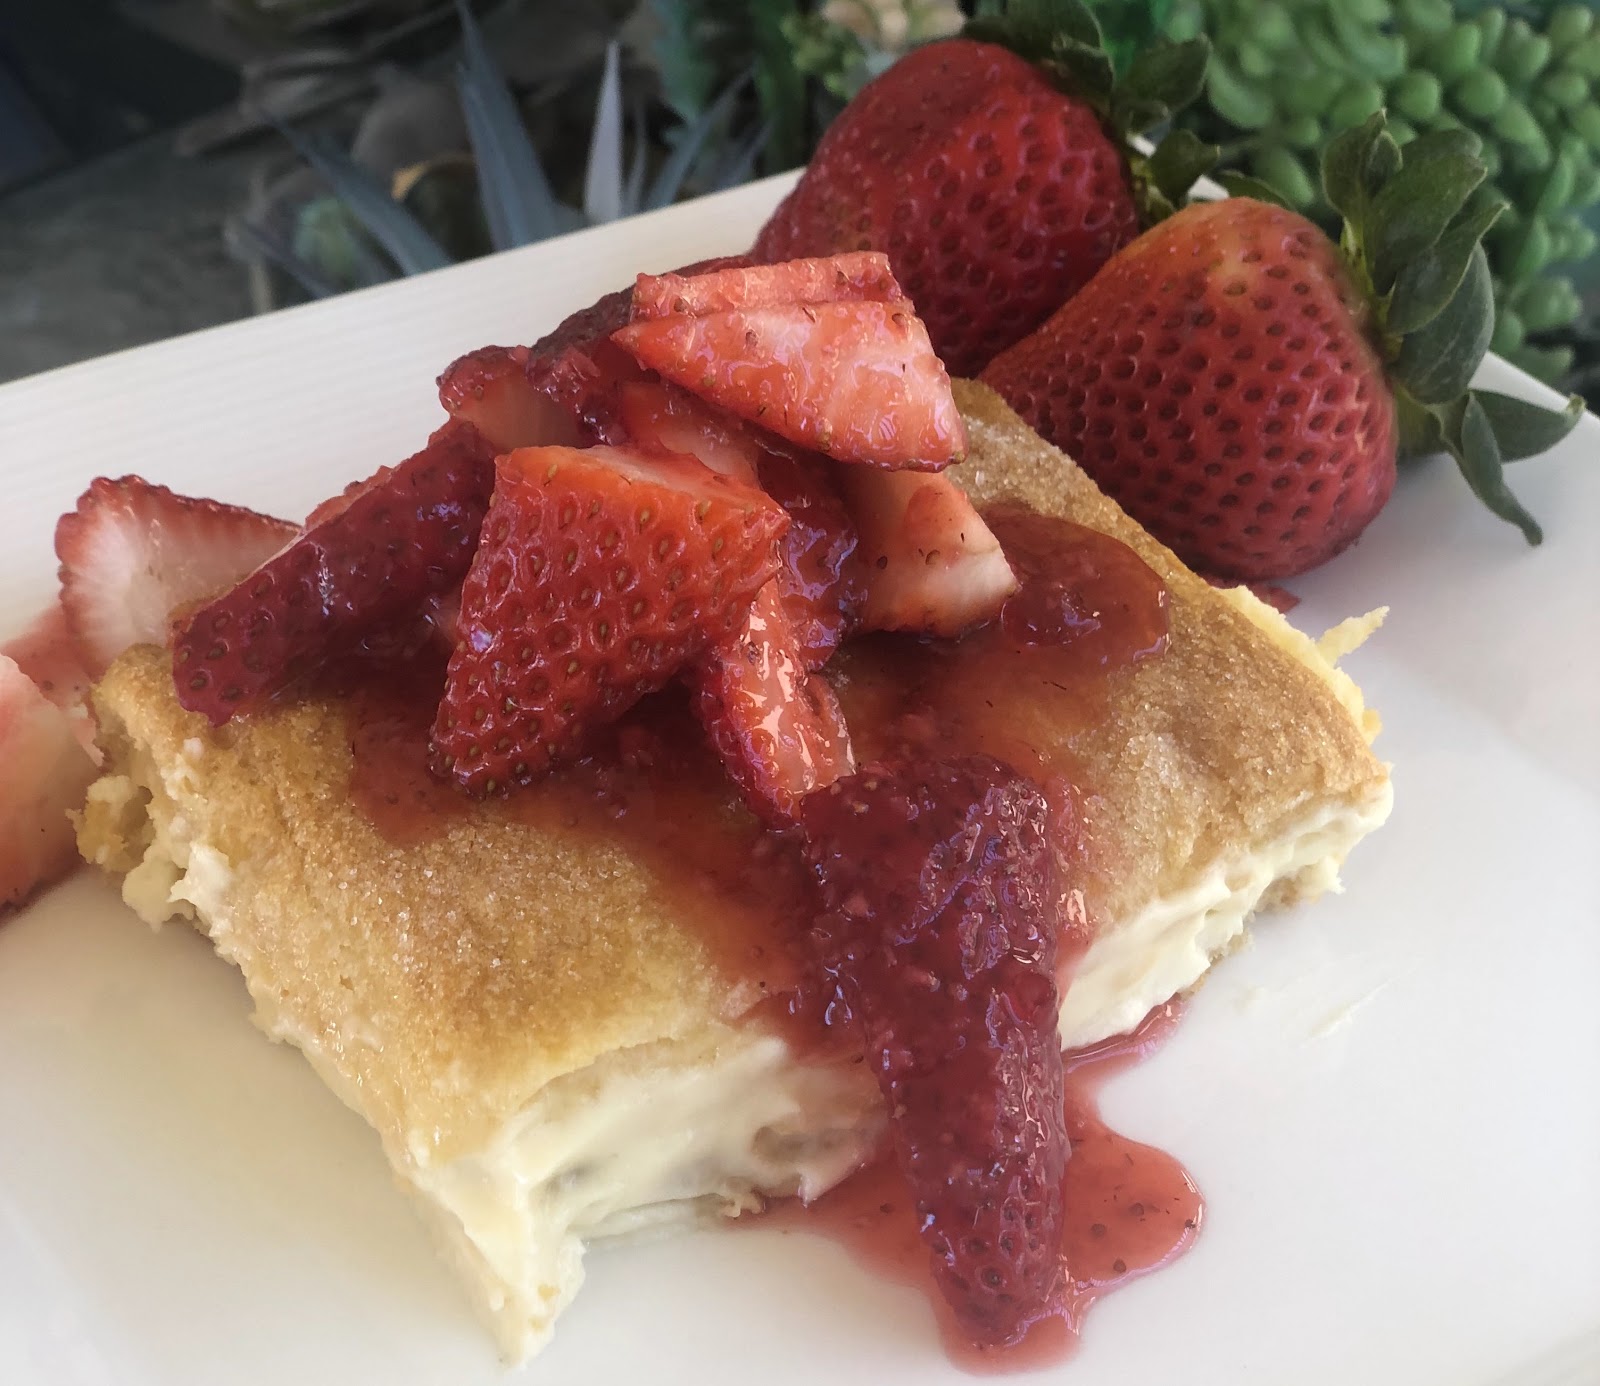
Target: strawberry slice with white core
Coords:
[[855, 380], [778, 728], [859, 275], [46, 773], [490, 389], [601, 573], [370, 558], [132, 553], [930, 563]]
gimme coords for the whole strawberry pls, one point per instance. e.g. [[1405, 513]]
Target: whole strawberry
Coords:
[[1243, 387], [994, 171]]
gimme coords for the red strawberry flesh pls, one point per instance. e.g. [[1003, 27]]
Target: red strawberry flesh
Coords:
[[133, 553], [930, 563], [821, 582], [856, 381], [601, 573], [834, 279], [46, 771], [405, 535], [939, 933], [778, 728]]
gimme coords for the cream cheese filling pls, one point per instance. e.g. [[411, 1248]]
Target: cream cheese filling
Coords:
[[653, 1139]]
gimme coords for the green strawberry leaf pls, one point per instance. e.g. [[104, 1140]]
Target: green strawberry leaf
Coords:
[[1171, 74], [1243, 185], [1413, 240], [1452, 141], [1344, 168], [1426, 284], [1411, 211], [1436, 362], [1177, 161], [1088, 70], [1524, 430], [1472, 443]]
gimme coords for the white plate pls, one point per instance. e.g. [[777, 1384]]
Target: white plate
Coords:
[[1392, 1102]]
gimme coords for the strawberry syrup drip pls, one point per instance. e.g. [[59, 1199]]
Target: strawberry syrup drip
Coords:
[[651, 786], [1131, 1209], [1087, 608]]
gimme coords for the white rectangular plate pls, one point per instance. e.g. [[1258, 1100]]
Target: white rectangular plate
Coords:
[[1392, 1101]]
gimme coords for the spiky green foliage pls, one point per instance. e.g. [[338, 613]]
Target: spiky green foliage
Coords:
[[1287, 75]]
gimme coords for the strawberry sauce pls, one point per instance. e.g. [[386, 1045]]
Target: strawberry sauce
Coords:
[[1018, 689], [1131, 1209]]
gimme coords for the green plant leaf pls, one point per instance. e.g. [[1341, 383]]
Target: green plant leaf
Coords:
[[1243, 185], [603, 175], [276, 251], [1083, 69], [691, 140], [517, 201], [1437, 361], [1457, 140], [1522, 429], [1173, 74], [1472, 444], [394, 228], [740, 161], [1177, 161], [1410, 212], [1428, 282], [633, 187], [780, 85], [1344, 168]]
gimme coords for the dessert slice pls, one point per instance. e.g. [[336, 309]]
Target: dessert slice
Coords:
[[555, 1008]]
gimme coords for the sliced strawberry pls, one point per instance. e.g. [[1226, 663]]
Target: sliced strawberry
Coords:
[[834, 279], [939, 934], [821, 582], [370, 559], [49, 653], [857, 381], [491, 390], [931, 565], [778, 728], [132, 553], [658, 417], [46, 774], [519, 398], [601, 574], [818, 584]]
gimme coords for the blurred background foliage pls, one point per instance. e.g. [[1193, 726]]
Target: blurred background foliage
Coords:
[[501, 122]]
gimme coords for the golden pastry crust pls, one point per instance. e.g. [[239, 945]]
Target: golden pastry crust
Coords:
[[448, 981], [1213, 746]]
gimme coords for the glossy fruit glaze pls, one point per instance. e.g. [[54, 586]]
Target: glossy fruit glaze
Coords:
[[1130, 1209]]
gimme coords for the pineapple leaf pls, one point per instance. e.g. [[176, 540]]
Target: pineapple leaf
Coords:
[[517, 201], [691, 141], [391, 225], [633, 189], [276, 251], [603, 177]]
